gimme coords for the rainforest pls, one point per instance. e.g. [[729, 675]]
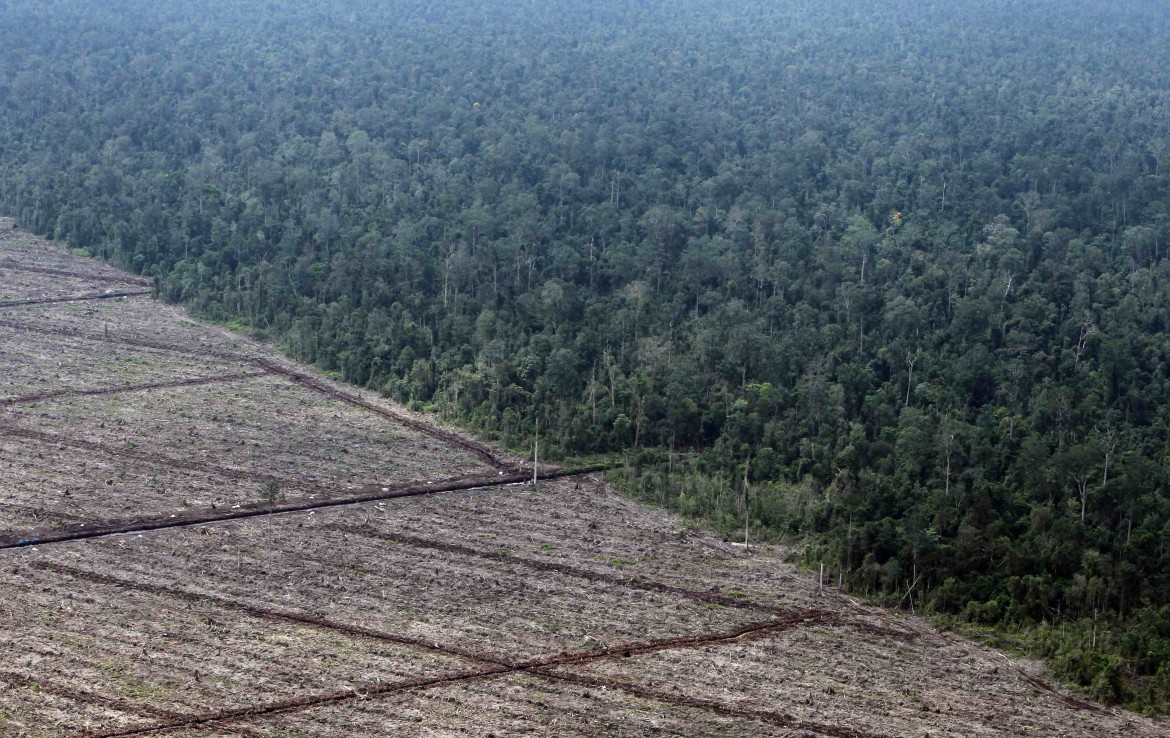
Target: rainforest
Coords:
[[885, 281]]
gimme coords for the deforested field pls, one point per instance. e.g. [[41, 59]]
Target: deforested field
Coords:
[[200, 538]]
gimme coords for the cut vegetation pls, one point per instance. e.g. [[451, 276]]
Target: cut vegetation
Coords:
[[494, 608]]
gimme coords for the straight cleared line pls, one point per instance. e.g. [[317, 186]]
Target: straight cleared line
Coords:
[[443, 435], [90, 698], [202, 353], [414, 490], [26, 399], [151, 460], [534, 667], [556, 568], [73, 298], [18, 267], [309, 381]]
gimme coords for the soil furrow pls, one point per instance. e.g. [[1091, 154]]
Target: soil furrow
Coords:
[[37, 513], [18, 267], [499, 669], [26, 399], [264, 613], [373, 493], [1070, 700], [298, 704], [306, 380], [479, 450], [772, 717], [142, 458], [749, 631], [90, 698], [549, 566], [73, 298], [202, 353], [645, 585], [542, 667]]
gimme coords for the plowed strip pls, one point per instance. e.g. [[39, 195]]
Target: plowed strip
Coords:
[[18, 267], [264, 613], [89, 698], [137, 456], [822, 616], [750, 631], [645, 585], [37, 513], [772, 717], [72, 298], [298, 704], [480, 450], [372, 493], [125, 341], [549, 566], [307, 380], [26, 399], [496, 666], [536, 667]]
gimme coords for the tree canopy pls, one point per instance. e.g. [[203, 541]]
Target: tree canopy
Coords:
[[887, 278]]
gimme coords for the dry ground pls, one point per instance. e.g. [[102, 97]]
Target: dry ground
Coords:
[[496, 610]]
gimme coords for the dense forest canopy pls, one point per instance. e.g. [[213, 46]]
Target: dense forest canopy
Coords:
[[889, 278]]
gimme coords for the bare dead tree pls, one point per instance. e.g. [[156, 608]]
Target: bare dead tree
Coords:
[[911, 360], [1088, 328]]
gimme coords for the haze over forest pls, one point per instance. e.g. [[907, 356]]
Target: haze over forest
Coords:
[[885, 281]]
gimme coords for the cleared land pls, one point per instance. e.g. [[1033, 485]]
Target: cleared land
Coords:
[[490, 609]]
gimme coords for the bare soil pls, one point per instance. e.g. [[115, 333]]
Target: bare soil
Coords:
[[34, 270], [175, 450], [36, 365], [500, 610], [131, 322], [261, 425], [24, 252]]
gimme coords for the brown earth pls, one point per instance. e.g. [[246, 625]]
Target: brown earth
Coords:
[[498, 610]]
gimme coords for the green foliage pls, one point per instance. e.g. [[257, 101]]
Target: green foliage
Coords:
[[901, 267], [270, 493], [1109, 658]]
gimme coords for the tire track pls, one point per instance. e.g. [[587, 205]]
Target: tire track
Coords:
[[296, 704], [779, 719], [264, 613], [73, 298], [1071, 700], [128, 707], [40, 512], [480, 450], [549, 566], [26, 399]]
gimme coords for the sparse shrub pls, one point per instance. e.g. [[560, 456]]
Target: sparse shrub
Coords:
[[271, 492]]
